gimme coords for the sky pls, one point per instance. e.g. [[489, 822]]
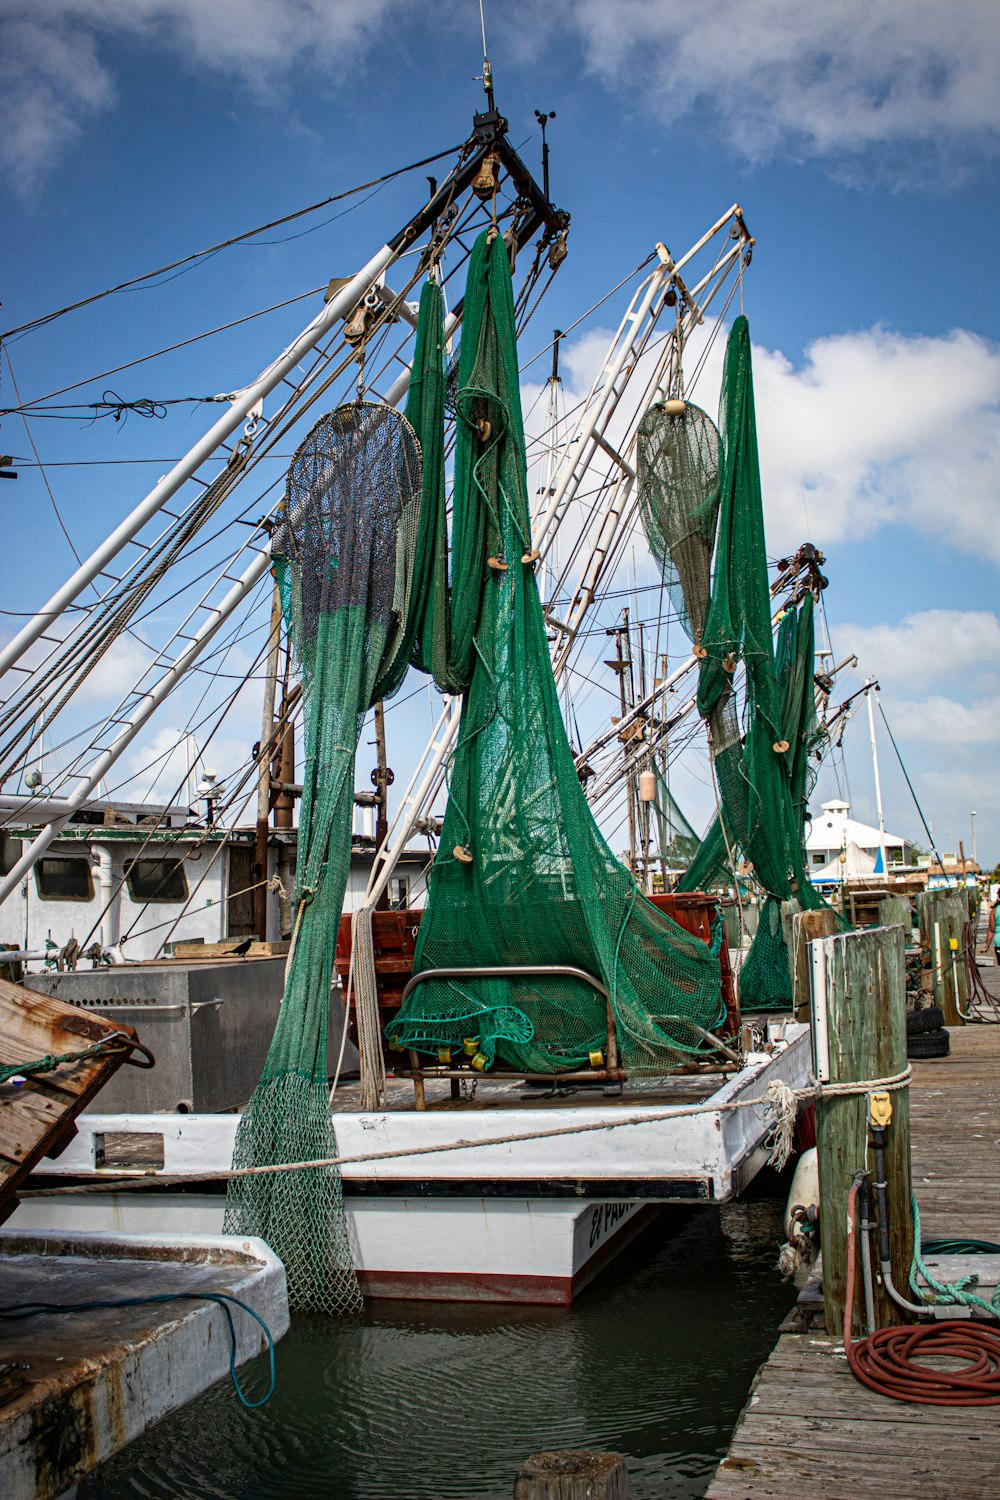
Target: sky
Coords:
[[861, 138]]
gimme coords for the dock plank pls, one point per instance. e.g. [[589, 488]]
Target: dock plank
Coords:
[[809, 1426]]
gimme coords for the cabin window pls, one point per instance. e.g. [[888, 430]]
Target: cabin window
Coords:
[[64, 879], [156, 880], [399, 892], [10, 852]]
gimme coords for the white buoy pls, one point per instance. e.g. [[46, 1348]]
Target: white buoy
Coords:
[[804, 1191], [674, 408], [647, 786]]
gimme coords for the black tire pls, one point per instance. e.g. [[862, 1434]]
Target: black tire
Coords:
[[931, 1018], [928, 1044]]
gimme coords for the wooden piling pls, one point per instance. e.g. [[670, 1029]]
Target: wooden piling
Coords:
[[894, 911], [863, 977], [573, 1476], [943, 915], [806, 925]]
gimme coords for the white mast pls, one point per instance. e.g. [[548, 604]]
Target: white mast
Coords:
[[870, 688]]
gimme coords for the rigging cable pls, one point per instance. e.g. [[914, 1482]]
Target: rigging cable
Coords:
[[41, 466], [224, 245], [909, 783]]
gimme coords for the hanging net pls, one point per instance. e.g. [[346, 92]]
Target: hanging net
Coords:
[[761, 755], [523, 875], [344, 557], [679, 502]]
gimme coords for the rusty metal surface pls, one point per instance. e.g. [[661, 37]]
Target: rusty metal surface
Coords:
[[76, 1387]]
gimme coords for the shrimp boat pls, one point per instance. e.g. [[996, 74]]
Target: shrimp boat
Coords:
[[508, 1114]]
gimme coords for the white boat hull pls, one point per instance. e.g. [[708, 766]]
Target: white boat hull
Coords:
[[524, 1220], [442, 1250]]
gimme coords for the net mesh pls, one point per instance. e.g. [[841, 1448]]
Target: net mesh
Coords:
[[344, 559], [523, 875], [762, 753], [678, 468]]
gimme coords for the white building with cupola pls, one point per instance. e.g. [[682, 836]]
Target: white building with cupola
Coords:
[[838, 847]]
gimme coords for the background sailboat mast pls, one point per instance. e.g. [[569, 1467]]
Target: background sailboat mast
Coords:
[[870, 688]]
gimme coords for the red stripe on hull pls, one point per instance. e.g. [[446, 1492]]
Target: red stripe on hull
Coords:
[[484, 1286]]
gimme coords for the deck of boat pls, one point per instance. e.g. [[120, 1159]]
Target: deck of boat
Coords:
[[514, 1093], [809, 1427]]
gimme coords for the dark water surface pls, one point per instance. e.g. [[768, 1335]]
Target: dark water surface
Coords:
[[437, 1401]]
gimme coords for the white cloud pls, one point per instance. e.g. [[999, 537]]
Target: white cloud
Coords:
[[872, 429], [882, 428], [812, 79], [55, 72], [877, 427], [775, 75], [168, 765], [925, 647], [945, 721], [116, 673]]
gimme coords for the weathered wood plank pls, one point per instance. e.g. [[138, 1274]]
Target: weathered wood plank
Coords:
[[805, 926], [25, 1117], [37, 1115]]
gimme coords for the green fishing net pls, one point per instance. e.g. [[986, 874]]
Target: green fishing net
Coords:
[[678, 472], [523, 875], [344, 560], [761, 746]]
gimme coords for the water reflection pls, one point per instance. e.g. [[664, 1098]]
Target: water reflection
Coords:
[[422, 1400]]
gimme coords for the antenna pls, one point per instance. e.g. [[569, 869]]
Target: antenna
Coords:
[[543, 119], [486, 79]]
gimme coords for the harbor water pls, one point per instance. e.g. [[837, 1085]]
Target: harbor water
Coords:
[[421, 1400]]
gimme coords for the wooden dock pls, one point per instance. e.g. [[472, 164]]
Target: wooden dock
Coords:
[[809, 1427]]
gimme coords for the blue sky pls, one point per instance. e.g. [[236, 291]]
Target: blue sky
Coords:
[[860, 138]]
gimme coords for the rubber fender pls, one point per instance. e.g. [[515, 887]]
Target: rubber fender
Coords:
[[931, 1018], [928, 1044], [804, 1191]]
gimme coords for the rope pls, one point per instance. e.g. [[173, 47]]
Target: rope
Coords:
[[892, 1361], [56, 1060], [221, 1299], [777, 1099], [945, 1291], [982, 1005]]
